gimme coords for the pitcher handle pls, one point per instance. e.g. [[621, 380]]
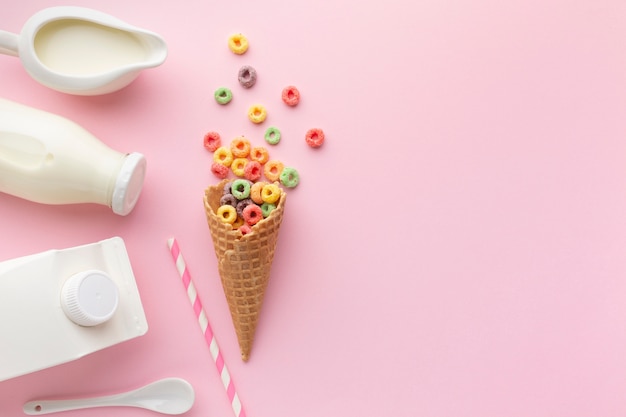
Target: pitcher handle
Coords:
[[8, 43]]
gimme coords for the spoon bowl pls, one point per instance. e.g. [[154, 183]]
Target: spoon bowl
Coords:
[[166, 396]]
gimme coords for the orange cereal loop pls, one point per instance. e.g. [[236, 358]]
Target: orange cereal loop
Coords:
[[238, 43], [273, 169], [259, 154], [257, 113], [223, 155], [255, 192], [238, 166], [239, 221], [227, 214], [270, 193], [240, 147]]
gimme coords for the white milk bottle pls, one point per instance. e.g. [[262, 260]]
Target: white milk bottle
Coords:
[[49, 159]]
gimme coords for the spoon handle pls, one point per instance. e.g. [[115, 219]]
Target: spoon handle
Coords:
[[33, 408], [8, 43]]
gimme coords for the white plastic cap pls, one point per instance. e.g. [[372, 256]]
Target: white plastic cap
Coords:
[[128, 184], [89, 298]]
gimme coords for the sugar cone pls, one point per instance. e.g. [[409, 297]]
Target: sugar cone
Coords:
[[244, 263]]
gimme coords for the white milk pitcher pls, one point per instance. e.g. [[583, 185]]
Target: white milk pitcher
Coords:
[[48, 159], [82, 51]]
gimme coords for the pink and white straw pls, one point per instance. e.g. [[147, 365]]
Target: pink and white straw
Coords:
[[203, 321]]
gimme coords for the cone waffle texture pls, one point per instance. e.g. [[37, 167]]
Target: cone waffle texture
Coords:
[[244, 263]]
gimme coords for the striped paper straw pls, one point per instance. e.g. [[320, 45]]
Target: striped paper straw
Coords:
[[205, 327]]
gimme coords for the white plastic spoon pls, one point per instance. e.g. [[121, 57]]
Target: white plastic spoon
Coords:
[[166, 396]]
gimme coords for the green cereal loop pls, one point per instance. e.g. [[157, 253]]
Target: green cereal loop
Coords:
[[240, 189], [267, 208], [223, 95], [289, 177], [272, 135]]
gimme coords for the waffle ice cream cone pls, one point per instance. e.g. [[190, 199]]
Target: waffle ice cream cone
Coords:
[[244, 263]]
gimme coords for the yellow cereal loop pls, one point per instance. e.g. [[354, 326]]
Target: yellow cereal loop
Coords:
[[223, 155], [238, 43], [257, 113], [272, 170], [270, 193], [238, 166], [227, 213]]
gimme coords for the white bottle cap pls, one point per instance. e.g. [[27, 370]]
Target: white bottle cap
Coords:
[[89, 298], [128, 184]]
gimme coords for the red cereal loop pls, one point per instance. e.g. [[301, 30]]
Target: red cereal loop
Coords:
[[314, 138], [212, 141], [252, 214], [291, 96], [253, 171], [219, 170], [245, 229]]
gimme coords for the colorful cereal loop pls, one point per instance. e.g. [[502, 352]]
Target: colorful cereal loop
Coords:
[[252, 214], [314, 138], [238, 222], [255, 192], [240, 147], [259, 154], [247, 76], [291, 96], [212, 141], [241, 189], [252, 171], [245, 229], [227, 214], [273, 169], [223, 156], [267, 208], [257, 113], [238, 43], [238, 166], [228, 200], [289, 177], [223, 95], [270, 193], [219, 170], [272, 135]]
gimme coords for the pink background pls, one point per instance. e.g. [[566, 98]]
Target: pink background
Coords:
[[456, 248]]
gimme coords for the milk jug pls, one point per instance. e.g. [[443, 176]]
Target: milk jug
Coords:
[[49, 159]]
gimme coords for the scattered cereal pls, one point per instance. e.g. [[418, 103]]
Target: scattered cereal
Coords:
[[247, 76], [223, 155], [259, 154], [227, 214], [314, 138], [212, 141], [291, 95], [272, 135], [273, 169], [223, 95], [252, 171], [219, 170], [238, 43], [257, 113], [238, 166], [240, 147], [289, 177]]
